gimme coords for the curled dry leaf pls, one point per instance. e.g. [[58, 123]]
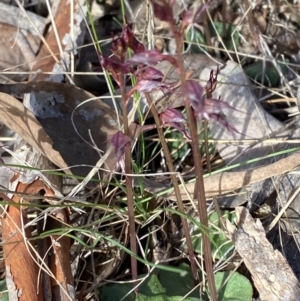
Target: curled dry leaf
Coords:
[[13, 15], [18, 256], [19, 42], [22, 271]]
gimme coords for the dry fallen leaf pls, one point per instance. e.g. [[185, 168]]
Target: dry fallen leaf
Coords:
[[272, 276], [74, 136], [17, 51], [13, 15], [17, 253], [55, 54], [53, 105], [19, 42], [23, 122]]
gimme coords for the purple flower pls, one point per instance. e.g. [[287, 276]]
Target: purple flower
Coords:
[[211, 84], [191, 17], [150, 73], [131, 41], [151, 57], [207, 108], [149, 80], [193, 92], [163, 10], [174, 118], [119, 141], [114, 65], [126, 40], [119, 48]]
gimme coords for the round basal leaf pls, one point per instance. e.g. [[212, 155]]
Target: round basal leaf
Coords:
[[236, 288], [220, 244], [179, 284], [152, 286], [230, 37], [117, 292], [178, 146], [167, 286], [195, 41], [141, 297], [266, 74]]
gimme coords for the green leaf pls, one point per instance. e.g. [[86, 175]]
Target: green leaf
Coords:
[[141, 297], [268, 75], [149, 288], [229, 36], [152, 290], [152, 286], [235, 288], [116, 292], [220, 243], [179, 284], [178, 147], [195, 40], [3, 291], [167, 287]]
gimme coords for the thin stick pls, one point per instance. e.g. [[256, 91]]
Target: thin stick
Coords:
[[176, 187], [199, 187], [128, 171]]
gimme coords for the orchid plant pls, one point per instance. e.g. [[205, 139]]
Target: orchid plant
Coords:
[[141, 64], [148, 79]]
